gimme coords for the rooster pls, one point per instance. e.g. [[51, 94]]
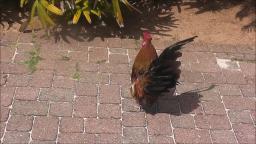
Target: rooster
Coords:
[[152, 75]]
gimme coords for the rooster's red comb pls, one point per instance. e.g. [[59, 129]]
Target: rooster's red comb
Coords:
[[147, 36]]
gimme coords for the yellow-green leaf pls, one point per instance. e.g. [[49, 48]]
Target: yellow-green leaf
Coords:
[[32, 14], [77, 16], [44, 16], [23, 2], [77, 1], [87, 16], [130, 6], [51, 7], [86, 4], [97, 13], [118, 13]]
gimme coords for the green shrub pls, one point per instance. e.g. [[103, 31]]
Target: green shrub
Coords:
[[48, 10]]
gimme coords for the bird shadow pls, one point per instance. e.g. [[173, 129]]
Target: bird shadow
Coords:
[[183, 103]]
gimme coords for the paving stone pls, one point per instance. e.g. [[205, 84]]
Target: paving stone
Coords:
[[84, 89], [87, 67], [75, 138], [65, 68], [201, 121], [130, 105], [229, 90], [189, 102], [234, 77], [214, 108], [16, 137], [240, 117], [99, 42], [135, 135], [7, 54], [247, 49], [113, 50], [98, 55], [245, 133], [56, 94], [24, 47], [135, 119], [118, 59], [4, 114], [13, 68], [114, 43], [63, 82], [192, 76], [160, 139], [247, 68], [2, 128], [46, 64], [109, 111], [92, 77], [109, 94], [18, 80], [73, 125], [248, 90], [21, 58], [159, 124], [81, 56], [125, 91], [205, 67], [42, 79], [30, 108], [20, 123], [120, 79], [211, 95], [7, 94], [45, 128], [85, 107], [110, 138], [191, 136], [223, 136], [61, 109], [172, 107], [183, 121], [218, 122], [115, 68], [214, 78], [42, 142], [93, 125], [239, 103], [26, 93], [222, 48], [129, 43]]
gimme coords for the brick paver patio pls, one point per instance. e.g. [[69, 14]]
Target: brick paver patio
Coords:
[[80, 94]]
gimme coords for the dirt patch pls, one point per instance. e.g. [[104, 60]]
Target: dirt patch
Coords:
[[213, 27]]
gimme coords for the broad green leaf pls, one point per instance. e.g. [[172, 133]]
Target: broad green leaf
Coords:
[[87, 15], [77, 16], [51, 7]]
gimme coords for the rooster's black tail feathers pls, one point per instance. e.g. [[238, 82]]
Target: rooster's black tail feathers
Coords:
[[164, 71]]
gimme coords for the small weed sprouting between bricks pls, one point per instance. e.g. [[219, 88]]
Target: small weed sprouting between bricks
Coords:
[[101, 61], [34, 59], [65, 58], [76, 75]]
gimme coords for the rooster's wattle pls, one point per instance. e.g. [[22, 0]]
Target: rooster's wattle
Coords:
[[152, 75]]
